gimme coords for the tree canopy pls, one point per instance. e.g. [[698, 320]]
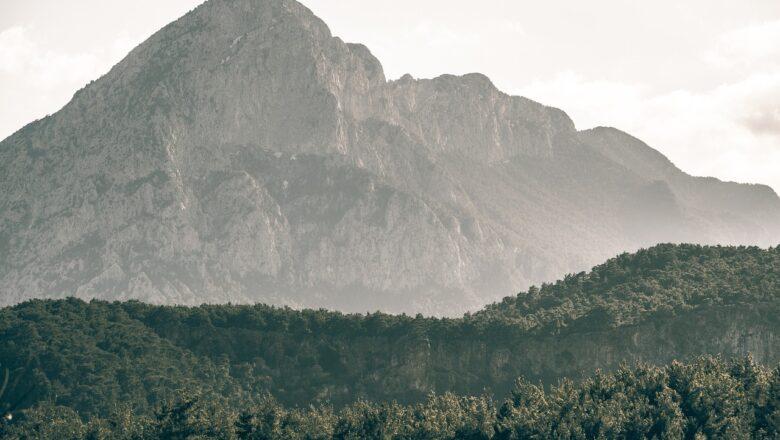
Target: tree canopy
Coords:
[[94, 362], [708, 398]]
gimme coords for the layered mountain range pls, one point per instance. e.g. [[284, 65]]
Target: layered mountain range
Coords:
[[244, 154]]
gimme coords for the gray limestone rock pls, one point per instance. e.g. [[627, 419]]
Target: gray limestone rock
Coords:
[[244, 154]]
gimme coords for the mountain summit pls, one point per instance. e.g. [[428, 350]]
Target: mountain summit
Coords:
[[244, 154]]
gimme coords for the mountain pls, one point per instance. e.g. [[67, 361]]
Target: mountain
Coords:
[[244, 154], [660, 305]]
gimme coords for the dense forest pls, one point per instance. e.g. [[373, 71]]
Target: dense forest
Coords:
[[660, 304], [665, 279], [706, 399]]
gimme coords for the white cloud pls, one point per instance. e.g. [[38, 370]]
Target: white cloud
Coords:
[[589, 102], [38, 81], [731, 132], [428, 48], [437, 35], [24, 58], [751, 46]]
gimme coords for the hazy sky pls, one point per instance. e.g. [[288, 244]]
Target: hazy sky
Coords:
[[699, 82]]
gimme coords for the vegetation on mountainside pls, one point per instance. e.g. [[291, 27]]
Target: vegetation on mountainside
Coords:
[[665, 279], [98, 358], [708, 398]]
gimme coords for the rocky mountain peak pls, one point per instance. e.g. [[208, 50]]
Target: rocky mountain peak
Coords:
[[244, 154]]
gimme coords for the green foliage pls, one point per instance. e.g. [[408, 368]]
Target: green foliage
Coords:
[[121, 362], [195, 416], [661, 281], [708, 398], [95, 357]]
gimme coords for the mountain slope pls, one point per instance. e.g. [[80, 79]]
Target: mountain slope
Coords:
[[244, 154]]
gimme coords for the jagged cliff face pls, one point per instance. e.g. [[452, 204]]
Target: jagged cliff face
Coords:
[[244, 154]]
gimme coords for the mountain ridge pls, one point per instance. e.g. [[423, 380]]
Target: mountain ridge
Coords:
[[244, 154]]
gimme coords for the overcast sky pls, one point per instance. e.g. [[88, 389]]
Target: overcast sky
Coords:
[[700, 82]]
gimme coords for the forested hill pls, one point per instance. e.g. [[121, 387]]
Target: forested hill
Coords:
[[665, 303], [630, 288]]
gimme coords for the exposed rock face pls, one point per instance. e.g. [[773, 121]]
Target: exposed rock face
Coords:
[[244, 154]]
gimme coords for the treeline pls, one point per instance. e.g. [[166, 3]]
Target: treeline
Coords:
[[708, 398], [95, 357]]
